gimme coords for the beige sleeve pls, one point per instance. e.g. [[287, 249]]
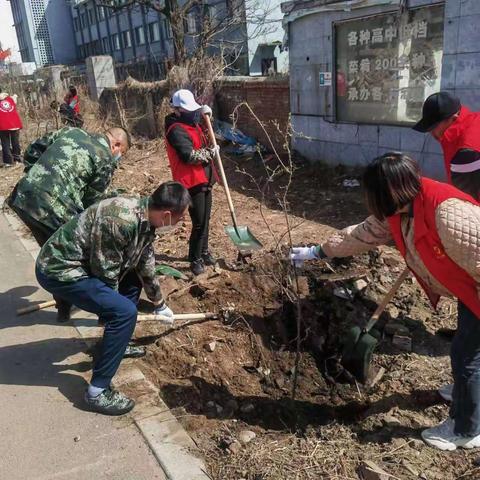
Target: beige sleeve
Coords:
[[458, 226], [358, 239]]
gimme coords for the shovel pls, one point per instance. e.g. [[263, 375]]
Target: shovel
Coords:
[[359, 343], [241, 236]]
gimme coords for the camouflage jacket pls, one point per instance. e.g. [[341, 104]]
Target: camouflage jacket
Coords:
[[106, 241], [66, 172]]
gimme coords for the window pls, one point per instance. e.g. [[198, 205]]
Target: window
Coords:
[[167, 28], [75, 23], [116, 41], [139, 36], [91, 16], [101, 13], [82, 51], [214, 15], [106, 46], [154, 31], [190, 23], [386, 65], [127, 39], [84, 20]]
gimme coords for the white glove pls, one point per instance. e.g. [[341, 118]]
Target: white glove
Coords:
[[166, 312], [214, 150], [206, 110], [299, 254]]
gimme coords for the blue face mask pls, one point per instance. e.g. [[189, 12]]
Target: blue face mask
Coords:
[[117, 157]]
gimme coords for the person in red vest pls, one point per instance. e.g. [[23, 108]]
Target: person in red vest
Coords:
[[458, 131], [10, 126], [436, 228], [191, 161], [71, 99]]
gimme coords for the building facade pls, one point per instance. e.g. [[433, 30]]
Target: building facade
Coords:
[[266, 53], [135, 34], [44, 31], [359, 74]]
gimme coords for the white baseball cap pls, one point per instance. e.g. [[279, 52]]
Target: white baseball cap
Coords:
[[185, 99]]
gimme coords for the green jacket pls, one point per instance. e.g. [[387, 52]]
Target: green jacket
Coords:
[[66, 172], [106, 241]]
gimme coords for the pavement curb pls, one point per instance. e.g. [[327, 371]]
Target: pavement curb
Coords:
[[173, 448]]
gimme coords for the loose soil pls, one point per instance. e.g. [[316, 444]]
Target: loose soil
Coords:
[[245, 383]]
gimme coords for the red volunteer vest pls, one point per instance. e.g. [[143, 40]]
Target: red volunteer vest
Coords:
[[429, 245], [9, 117], [188, 175], [464, 133]]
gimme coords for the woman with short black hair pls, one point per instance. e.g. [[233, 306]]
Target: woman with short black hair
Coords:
[[436, 228]]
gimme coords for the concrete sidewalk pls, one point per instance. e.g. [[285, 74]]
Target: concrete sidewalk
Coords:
[[44, 434]]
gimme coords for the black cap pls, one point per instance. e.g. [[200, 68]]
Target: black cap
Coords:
[[437, 107]]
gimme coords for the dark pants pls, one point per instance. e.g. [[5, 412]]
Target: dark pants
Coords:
[[118, 310], [200, 212], [465, 357], [10, 145], [40, 232]]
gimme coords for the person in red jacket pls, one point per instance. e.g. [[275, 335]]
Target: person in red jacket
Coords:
[[458, 131], [191, 161], [10, 126], [434, 226], [71, 99]]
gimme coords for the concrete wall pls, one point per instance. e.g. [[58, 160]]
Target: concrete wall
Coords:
[[311, 51]]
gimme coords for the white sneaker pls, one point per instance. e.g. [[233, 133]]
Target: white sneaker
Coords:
[[443, 437], [446, 392]]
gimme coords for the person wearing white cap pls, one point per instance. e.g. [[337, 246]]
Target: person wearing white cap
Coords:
[[191, 161]]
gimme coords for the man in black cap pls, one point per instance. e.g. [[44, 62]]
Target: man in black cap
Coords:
[[458, 131]]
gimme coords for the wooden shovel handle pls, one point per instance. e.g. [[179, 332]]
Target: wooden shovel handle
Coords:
[[386, 300], [211, 134], [179, 316], [34, 308]]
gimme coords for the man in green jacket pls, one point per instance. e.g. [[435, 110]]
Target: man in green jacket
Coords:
[[99, 261], [66, 171]]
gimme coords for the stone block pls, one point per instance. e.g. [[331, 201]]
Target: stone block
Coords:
[[100, 74], [432, 166], [452, 8], [470, 97], [469, 7], [412, 140], [389, 137], [450, 35], [368, 134], [467, 70], [468, 34], [449, 69], [367, 153]]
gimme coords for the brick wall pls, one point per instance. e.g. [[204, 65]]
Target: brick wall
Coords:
[[269, 98]]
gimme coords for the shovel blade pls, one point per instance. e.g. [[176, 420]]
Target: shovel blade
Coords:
[[243, 238], [357, 353]]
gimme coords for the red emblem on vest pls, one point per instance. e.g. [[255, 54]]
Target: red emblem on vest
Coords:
[[6, 106]]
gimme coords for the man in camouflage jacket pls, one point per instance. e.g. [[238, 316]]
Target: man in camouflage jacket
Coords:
[[66, 171], [99, 261]]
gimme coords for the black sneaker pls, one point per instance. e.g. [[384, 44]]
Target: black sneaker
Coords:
[[134, 351], [197, 267], [208, 259], [109, 402]]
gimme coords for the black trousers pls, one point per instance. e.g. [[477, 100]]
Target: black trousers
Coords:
[[200, 212], [10, 145]]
